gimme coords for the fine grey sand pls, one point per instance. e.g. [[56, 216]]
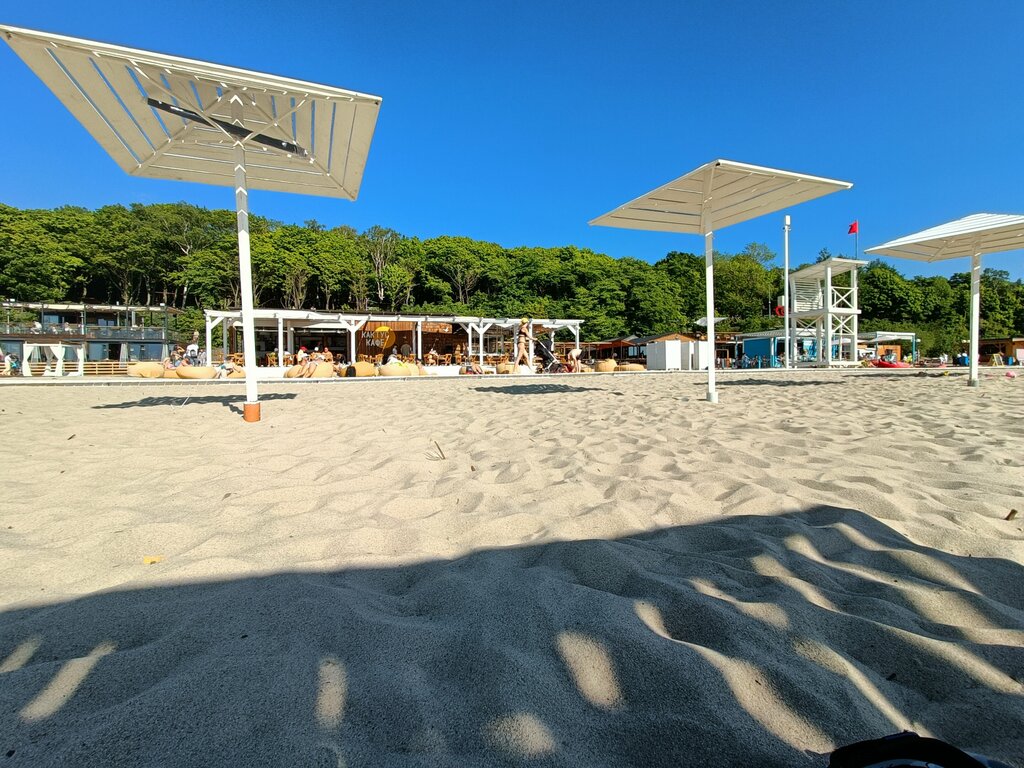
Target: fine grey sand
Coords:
[[575, 571]]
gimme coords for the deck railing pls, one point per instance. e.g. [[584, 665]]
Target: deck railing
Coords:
[[90, 332]]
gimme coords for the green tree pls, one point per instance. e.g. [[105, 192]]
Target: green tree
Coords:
[[34, 265]]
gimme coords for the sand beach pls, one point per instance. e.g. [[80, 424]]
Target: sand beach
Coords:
[[555, 571]]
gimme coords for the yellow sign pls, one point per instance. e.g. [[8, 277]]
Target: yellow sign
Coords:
[[381, 337]]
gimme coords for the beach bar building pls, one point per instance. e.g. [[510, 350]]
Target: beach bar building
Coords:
[[280, 332], [56, 339]]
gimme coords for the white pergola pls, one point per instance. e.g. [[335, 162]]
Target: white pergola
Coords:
[[167, 117], [970, 236], [716, 195], [53, 354], [284, 321]]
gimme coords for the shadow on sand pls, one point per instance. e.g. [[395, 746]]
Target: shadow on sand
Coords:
[[754, 641], [232, 402], [540, 388]]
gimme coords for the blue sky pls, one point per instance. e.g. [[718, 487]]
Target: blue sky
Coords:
[[517, 122]]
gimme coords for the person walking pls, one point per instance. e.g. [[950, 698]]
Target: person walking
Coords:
[[523, 337]]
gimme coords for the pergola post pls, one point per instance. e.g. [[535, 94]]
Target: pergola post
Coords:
[[223, 344], [209, 336], [469, 345], [975, 317], [482, 328], [419, 339], [280, 340]]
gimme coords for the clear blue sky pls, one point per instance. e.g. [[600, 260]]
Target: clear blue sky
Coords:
[[517, 122]]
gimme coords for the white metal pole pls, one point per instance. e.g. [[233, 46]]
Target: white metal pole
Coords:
[[209, 339], [419, 340], [828, 315], [280, 340], [785, 284], [975, 316], [251, 409], [709, 279], [352, 345]]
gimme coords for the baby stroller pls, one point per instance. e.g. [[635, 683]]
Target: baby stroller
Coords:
[[551, 364]]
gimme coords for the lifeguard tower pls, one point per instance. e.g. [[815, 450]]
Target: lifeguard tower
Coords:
[[826, 311]]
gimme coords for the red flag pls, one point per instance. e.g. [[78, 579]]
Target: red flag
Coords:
[[853, 229]]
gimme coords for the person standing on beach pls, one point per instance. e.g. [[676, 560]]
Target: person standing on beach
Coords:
[[522, 349]]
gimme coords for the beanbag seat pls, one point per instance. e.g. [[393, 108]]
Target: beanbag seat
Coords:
[[362, 368], [630, 367], [605, 366], [170, 373], [151, 370], [398, 369], [196, 372]]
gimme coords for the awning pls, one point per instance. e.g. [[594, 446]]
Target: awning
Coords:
[[166, 117], [970, 236], [713, 196]]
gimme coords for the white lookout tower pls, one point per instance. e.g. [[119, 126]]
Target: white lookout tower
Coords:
[[826, 310]]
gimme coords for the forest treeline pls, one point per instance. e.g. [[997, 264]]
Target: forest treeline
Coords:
[[187, 257]]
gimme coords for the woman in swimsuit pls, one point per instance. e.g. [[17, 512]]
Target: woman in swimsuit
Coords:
[[522, 350]]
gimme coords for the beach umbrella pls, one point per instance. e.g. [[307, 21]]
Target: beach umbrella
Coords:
[[717, 195], [166, 117], [970, 236]]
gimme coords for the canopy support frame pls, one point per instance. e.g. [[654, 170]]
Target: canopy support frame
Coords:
[[707, 227], [251, 409], [975, 317]]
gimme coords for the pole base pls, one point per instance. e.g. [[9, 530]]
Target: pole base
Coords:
[[251, 412], [712, 396], [973, 383]]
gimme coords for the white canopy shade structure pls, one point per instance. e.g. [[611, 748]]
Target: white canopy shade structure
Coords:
[[166, 117], [970, 236], [716, 195]]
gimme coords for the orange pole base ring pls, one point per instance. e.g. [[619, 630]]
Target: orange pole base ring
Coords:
[[251, 411]]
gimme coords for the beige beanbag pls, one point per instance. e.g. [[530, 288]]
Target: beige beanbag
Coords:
[[323, 371], [196, 372], [604, 366], [505, 368], [630, 367], [146, 370], [398, 369], [362, 368], [170, 373], [238, 373]]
